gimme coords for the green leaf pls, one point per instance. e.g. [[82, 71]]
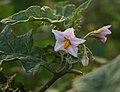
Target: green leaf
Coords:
[[77, 15], [65, 12], [30, 64], [35, 69], [48, 67], [9, 43], [104, 79], [20, 48], [17, 48], [35, 13], [68, 10], [59, 11]]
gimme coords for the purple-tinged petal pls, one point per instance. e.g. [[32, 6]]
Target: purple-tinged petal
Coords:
[[69, 33], [105, 32], [102, 32], [77, 41], [85, 60], [58, 46], [73, 50], [58, 35], [108, 26], [103, 39]]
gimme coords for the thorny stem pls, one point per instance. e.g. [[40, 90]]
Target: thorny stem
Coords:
[[58, 75]]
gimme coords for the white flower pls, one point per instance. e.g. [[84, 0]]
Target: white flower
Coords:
[[67, 41]]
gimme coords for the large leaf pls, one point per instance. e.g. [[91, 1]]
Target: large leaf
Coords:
[[65, 11], [77, 15], [104, 79], [9, 43], [17, 48], [68, 10], [35, 13]]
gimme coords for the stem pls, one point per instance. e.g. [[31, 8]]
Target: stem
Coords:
[[49, 83], [89, 50], [85, 51], [58, 75], [52, 80], [62, 55], [87, 35]]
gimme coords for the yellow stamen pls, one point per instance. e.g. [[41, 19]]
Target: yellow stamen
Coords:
[[66, 43]]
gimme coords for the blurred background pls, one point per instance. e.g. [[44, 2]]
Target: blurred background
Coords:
[[98, 14]]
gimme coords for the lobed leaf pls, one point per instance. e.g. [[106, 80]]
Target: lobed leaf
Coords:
[[17, 48], [65, 11], [9, 43], [35, 13]]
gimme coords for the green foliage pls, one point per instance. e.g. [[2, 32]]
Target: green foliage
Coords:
[[63, 17], [22, 48], [104, 79], [17, 48], [65, 12], [9, 43], [35, 13], [68, 10], [77, 15], [71, 15], [66, 15]]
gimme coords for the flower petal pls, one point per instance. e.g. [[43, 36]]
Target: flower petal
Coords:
[[76, 41], [108, 26], [73, 50], [58, 46], [103, 39], [58, 35], [105, 30], [102, 32], [105, 27], [69, 33]]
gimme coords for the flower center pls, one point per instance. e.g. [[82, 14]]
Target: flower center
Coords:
[[66, 43]]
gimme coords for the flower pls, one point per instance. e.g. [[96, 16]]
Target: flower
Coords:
[[67, 41], [102, 32], [85, 60]]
